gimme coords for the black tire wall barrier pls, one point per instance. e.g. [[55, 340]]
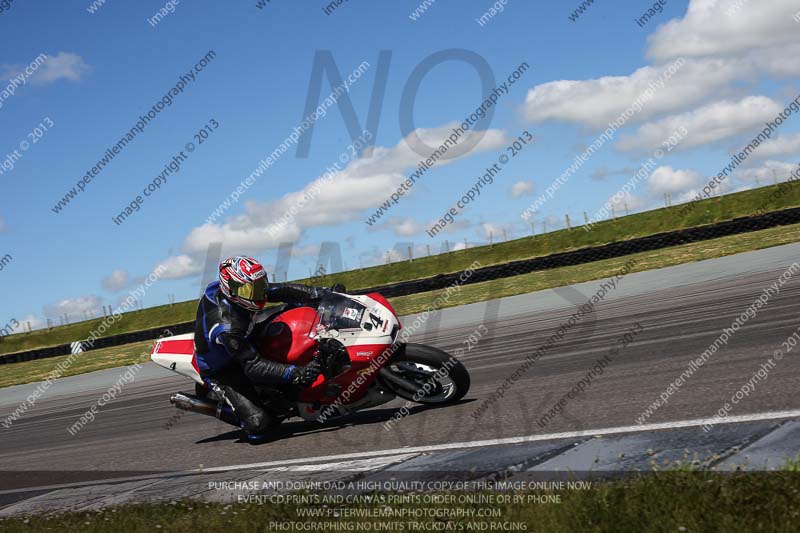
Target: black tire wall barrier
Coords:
[[575, 257], [596, 253]]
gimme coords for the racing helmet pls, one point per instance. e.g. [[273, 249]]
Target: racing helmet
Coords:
[[243, 281]]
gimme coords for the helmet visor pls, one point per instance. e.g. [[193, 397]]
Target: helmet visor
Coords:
[[255, 291]]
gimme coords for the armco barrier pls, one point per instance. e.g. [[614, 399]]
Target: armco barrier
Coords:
[[514, 268]]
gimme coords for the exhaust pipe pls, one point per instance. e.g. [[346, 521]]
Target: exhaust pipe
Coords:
[[189, 402]]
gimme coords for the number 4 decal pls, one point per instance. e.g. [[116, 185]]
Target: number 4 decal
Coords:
[[376, 320]]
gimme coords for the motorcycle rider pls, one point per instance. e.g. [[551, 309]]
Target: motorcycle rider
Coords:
[[227, 361]]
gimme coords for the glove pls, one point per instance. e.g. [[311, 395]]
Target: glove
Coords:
[[337, 287], [331, 349], [305, 375]]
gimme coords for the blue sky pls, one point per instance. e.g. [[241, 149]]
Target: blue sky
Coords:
[[106, 69]]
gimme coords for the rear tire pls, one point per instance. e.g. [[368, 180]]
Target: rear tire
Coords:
[[419, 363]]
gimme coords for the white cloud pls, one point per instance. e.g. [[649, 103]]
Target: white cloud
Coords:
[[372, 257], [627, 200], [243, 234], [63, 65], [74, 307], [778, 61], [361, 186], [779, 146], [400, 252], [117, 280], [394, 256], [179, 266], [707, 124], [708, 29], [600, 173], [404, 226], [407, 226], [718, 49], [35, 322], [767, 173], [494, 230], [691, 194], [548, 223], [667, 179], [522, 188], [308, 250], [596, 102]]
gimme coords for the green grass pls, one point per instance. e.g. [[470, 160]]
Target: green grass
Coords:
[[679, 500], [163, 315], [558, 277], [100, 359], [36, 370], [708, 211], [623, 228]]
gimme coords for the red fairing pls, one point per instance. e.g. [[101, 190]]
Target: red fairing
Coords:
[[365, 361], [287, 339], [378, 297], [195, 365], [178, 346]]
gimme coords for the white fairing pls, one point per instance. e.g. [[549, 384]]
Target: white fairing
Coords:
[[377, 324], [176, 354]]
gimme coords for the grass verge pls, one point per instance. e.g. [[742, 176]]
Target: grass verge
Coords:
[[662, 501], [558, 277], [163, 315], [100, 359], [708, 211], [36, 370]]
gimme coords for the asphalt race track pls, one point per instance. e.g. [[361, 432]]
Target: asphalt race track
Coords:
[[681, 311]]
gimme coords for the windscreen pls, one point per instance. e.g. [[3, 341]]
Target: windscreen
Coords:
[[336, 311]]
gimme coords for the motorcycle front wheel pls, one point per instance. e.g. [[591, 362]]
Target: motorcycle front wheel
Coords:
[[427, 375]]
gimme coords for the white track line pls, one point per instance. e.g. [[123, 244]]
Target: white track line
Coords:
[[774, 415]]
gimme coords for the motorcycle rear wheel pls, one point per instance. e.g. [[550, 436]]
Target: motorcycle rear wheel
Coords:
[[446, 378]]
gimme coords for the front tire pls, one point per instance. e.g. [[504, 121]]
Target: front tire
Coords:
[[446, 378]]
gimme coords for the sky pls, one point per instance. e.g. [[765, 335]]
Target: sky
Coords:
[[421, 68]]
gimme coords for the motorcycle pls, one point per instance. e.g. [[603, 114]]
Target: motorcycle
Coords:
[[378, 366]]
